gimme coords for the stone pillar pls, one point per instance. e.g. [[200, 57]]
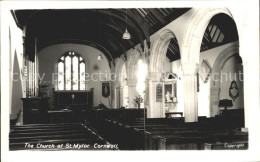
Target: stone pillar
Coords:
[[190, 92], [114, 96], [121, 97], [156, 108], [214, 99], [115, 99], [131, 91], [249, 42], [146, 97], [249, 30], [249, 100]]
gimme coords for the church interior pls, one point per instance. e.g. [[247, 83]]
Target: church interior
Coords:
[[129, 79]]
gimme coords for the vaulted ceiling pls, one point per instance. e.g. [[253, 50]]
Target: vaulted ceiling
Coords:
[[101, 28]]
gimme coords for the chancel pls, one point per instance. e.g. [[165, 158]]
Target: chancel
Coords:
[[129, 79]]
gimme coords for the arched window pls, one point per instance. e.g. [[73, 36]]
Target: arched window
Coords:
[[71, 72]]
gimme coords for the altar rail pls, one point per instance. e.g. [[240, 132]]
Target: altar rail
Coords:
[[73, 99]]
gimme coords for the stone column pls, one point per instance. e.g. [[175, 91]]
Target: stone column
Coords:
[[249, 99], [131, 91], [190, 92], [214, 99], [114, 96], [146, 99], [156, 108], [248, 43], [121, 97]]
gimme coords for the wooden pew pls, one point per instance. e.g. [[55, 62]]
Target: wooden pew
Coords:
[[164, 133], [188, 137], [241, 145], [53, 134]]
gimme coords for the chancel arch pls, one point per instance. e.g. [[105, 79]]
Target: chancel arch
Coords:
[[48, 67]]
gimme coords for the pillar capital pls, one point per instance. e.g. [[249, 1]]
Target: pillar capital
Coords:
[[155, 76], [190, 68]]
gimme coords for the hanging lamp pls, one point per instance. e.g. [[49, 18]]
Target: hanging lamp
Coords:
[[99, 30], [126, 34], [100, 57]]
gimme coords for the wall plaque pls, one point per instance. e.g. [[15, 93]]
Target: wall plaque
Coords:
[[158, 93], [105, 89]]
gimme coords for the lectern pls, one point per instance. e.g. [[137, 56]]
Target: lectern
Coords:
[[225, 103]]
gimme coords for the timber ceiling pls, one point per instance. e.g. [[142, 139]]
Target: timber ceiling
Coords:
[[221, 30], [103, 28]]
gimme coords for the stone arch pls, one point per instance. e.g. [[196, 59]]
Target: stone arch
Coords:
[[131, 70], [159, 49], [190, 55], [190, 48], [131, 67], [116, 96], [118, 67], [219, 63]]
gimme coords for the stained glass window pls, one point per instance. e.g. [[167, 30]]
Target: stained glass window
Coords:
[[75, 72], [82, 76], [61, 76], [71, 72]]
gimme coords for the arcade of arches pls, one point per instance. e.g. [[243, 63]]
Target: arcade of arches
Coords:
[[185, 68], [195, 96]]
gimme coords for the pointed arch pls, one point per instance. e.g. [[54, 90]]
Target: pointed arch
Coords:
[[118, 67], [190, 48], [159, 49], [221, 60], [131, 67]]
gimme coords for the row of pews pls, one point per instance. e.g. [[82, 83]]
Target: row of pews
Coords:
[[174, 134], [62, 136], [129, 129]]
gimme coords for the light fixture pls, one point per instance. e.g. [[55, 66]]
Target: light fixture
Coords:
[[100, 57], [99, 35], [126, 34]]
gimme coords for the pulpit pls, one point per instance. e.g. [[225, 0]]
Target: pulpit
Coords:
[[35, 109]]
